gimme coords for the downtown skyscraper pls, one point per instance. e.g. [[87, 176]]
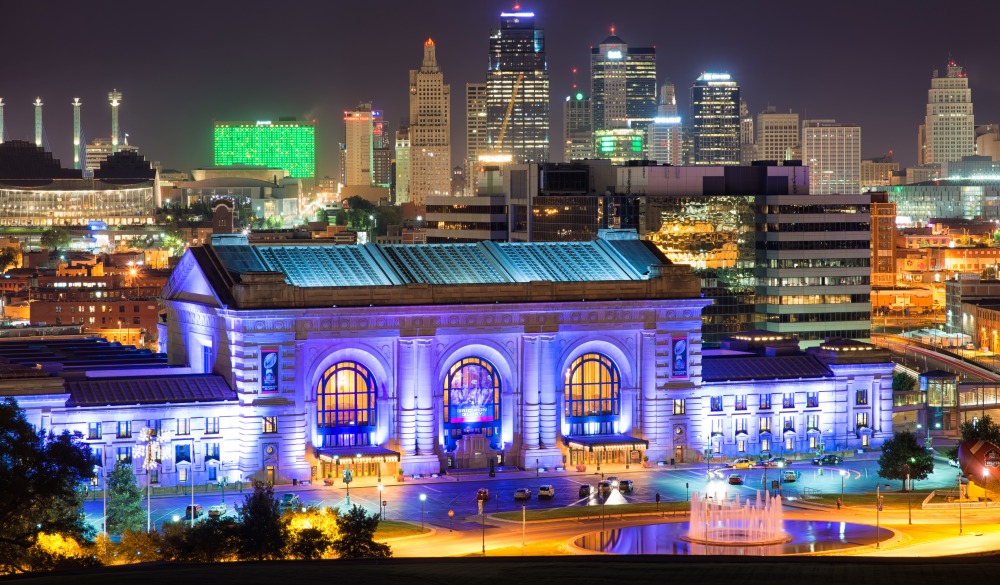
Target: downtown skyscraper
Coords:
[[622, 84], [430, 130], [715, 120], [948, 131], [518, 72], [832, 151]]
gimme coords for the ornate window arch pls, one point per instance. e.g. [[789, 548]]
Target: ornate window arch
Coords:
[[471, 397], [593, 394], [345, 405]]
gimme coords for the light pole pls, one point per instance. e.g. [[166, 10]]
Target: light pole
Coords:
[[843, 474], [380, 516], [482, 513], [150, 462], [523, 517], [423, 498], [878, 510], [959, 480]]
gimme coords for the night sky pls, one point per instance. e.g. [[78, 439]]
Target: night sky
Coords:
[[180, 64]]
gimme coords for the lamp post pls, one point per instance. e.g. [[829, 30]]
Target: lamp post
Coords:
[[959, 480], [878, 510], [482, 513], [843, 474], [524, 514], [150, 462], [380, 515], [423, 498]]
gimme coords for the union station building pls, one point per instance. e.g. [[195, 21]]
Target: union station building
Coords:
[[293, 361]]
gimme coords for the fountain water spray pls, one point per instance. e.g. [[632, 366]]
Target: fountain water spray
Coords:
[[732, 523]]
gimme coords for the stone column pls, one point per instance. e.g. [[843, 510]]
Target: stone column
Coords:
[[548, 415], [406, 393], [530, 377], [647, 383], [425, 397]]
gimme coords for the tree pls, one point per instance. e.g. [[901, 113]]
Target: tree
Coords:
[[903, 382], [39, 479], [357, 536], [984, 429], [209, 541], [263, 531], [8, 258], [55, 239], [309, 544], [125, 510], [902, 450]]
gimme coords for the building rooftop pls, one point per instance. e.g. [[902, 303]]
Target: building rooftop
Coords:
[[226, 182], [149, 390], [745, 368]]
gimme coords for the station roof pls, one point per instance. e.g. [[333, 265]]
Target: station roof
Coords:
[[745, 368], [148, 390]]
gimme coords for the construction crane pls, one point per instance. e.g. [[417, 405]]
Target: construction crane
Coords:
[[497, 156]]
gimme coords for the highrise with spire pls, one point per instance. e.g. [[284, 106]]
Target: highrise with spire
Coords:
[[430, 130], [948, 131]]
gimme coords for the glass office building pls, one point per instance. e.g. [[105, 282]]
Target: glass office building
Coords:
[[285, 144]]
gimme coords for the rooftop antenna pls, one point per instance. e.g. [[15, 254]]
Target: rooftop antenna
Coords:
[[1, 120]]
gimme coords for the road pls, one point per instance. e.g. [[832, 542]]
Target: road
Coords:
[[923, 360], [444, 494]]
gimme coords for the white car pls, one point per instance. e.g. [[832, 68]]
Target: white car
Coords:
[[953, 462], [547, 491], [522, 494]]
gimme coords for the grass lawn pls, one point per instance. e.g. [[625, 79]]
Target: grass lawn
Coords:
[[591, 511], [533, 549], [890, 501], [396, 529]]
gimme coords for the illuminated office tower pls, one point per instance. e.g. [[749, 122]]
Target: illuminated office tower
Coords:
[[76, 133], [361, 124], [747, 135], [430, 130], [665, 136], [948, 132], [382, 147], [832, 152], [517, 61], [622, 84], [288, 144], [715, 120], [777, 135], [477, 137], [38, 121], [403, 165], [115, 99], [578, 128]]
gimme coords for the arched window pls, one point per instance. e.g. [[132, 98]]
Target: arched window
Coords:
[[472, 400], [593, 386], [345, 405]]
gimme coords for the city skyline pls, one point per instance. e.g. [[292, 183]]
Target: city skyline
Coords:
[[175, 127]]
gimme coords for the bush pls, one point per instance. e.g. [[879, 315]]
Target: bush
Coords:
[[581, 468]]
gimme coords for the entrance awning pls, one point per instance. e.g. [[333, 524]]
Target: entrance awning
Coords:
[[356, 454], [617, 441]]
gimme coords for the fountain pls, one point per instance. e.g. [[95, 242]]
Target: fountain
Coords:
[[736, 523]]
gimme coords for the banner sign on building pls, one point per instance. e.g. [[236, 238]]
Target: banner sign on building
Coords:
[[679, 355], [470, 397], [268, 369]]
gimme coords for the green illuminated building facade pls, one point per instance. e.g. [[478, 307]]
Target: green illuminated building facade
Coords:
[[620, 145], [285, 144]]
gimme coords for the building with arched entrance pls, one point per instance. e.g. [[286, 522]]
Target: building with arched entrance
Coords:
[[417, 359]]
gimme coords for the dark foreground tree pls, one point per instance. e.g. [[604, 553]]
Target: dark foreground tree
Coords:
[[983, 429], [263, 532], [40, 476], [125, 510], [357, 536], [308, 544], [903, 450]]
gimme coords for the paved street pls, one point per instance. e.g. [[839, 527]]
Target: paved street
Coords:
[[447, 493]]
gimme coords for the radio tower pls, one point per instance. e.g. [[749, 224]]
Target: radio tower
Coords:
[[76, 133], [38, 122], [1, 120], [115, 98]]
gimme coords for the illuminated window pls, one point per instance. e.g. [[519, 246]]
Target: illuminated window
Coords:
[[592, 386], [211, 452], [741, 402], [716, 404], [765, 445], [183, 426], [345, 405], [789, 423], [812, 442], [182, 474], [270, 424], [788, 401], [765, 424], [861, 397], [812, 422], [812, 399], [861, 419], [741, 446], [125, 455], [94, 431], [789, 443], [765, 401], [679, 407], [471, 397], [740, 425], [124, 429], [212, 425]]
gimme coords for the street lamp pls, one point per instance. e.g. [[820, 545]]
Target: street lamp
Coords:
[[423, 498], [959, 480], [150, 462], [906, 469], [843, 474], [380, 515]]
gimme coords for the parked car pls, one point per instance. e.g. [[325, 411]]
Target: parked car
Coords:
[[742, 464], [953, 461], [217, 511], [613, 480], [626, 486], [789, 476], [198, 510], [735, 479], [483, 495], [828, 460], [522, 494], [546, 491], [289, 501], [604, 488], [585, 490]]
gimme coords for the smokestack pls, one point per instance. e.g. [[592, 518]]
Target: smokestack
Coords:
[[38, 121], [115, 98], [76, 133]]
